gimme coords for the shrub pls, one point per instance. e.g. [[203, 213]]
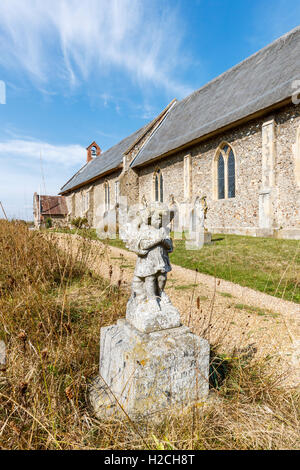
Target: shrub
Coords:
[[48, 222], [80, 222]]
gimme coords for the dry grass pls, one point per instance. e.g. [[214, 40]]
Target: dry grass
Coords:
[[51, 310]]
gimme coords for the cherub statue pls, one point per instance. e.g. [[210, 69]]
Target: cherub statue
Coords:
[[151, 241], [149, 308]]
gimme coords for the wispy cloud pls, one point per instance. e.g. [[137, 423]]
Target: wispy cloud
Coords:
[[70, 40], [28, 150], [28, 166]]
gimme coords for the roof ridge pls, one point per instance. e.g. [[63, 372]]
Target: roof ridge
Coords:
[[120, 141], [75, 174], [171, 105], [151, 124], [100, 156], [260, 82], [236, 66], [140, 132], [50, 195]]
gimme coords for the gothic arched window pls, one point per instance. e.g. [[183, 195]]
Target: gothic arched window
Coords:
[[158, 186], [221, 177], [225, 172], [231, 174]]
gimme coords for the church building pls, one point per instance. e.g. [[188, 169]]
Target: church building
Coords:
[[235, 141]]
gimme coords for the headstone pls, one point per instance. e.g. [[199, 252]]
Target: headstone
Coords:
[[198, 239], [149, 361], [198, 234]]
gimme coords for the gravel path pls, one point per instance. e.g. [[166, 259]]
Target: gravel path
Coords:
[[238, 319]]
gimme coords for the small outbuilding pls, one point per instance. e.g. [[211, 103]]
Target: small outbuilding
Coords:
[[52, 208]]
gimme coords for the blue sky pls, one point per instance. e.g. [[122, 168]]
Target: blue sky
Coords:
[[82, 70]]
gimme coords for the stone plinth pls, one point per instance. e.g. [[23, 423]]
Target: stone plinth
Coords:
[[146, 373], [152, 315]]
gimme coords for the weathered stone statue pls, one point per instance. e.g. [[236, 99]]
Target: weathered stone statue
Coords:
[[152, 245], [149, 308], [149, 361]]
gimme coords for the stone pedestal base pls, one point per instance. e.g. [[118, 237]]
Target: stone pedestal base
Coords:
[[152, 315], [145, 373]]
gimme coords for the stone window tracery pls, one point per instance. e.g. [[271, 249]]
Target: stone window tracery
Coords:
[[221, 177], [158, 186], [231, 174], [225, 167]]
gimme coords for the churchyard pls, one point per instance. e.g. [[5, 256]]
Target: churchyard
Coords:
[[57, 290], [264, 264]]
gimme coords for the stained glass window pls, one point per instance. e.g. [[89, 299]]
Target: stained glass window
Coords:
[[159, 190], [221, 178], [156, 187], [231, 175]]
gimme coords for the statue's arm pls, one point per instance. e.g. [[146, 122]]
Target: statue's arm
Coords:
[[134, 247], [147, 244], [168, 244]]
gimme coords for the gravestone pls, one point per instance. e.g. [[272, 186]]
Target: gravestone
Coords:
[[198, 234], [149, 361]]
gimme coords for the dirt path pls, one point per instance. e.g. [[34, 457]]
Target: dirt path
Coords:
[[238, 319]]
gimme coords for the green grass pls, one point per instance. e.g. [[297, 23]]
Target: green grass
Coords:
[[184, 287], [258, 311], [84, 232], [226, 294], [265, 264]]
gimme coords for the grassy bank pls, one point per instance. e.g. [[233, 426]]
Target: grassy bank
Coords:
[[264, 264], [51, 310]]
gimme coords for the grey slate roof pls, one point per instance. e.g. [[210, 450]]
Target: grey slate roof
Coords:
[[108, 160], [258, 82]]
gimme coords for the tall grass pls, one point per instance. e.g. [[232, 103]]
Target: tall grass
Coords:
[[51, 310]]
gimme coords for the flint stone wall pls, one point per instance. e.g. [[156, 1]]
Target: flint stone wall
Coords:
[[240, 215], [256, 210]]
